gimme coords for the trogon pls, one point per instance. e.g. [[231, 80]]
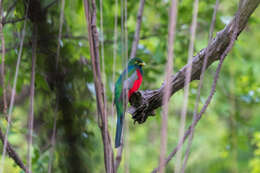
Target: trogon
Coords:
[[128, 82]]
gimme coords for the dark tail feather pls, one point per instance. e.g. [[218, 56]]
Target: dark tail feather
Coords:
[[119, 127]]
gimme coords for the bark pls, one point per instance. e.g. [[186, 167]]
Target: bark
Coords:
[[90, 13], [143, 103], [11, 152]]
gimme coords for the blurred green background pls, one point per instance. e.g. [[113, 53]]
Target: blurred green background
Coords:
[[227, 139]]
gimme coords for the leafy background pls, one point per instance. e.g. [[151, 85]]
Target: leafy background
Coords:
[[227, 139]]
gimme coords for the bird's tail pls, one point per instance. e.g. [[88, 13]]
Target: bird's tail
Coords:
[[119, 127]]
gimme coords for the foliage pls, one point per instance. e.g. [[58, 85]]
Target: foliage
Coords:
[[226, 139]]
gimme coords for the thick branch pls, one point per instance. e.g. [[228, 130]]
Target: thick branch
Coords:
[[145, 102]]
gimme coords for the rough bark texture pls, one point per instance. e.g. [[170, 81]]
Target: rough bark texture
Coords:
[[143, 103], [12, 153], [90, 13]]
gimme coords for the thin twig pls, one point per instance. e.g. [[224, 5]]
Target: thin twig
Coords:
[[125, 99], [168, 72], [123, 54], [212, 26], [103, 58], [120, 150], [137, 29], [235, 30], [11, 152], [12, 21], [213, 22], [32, 91], [13, 93], [119, 153], [102, 44], [54, 131], [133, 53], [3, 60], [114, 65], [187, 81], [60, 33]]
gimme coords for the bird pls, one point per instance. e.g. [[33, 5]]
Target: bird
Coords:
[[128, 82]]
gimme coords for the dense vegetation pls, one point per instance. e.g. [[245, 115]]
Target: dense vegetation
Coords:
[[227, 139]]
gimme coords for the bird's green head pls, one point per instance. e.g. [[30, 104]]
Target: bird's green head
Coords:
[[136, 62]]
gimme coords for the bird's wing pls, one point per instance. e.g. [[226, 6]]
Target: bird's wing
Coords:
[[124, 83], [129, 82]]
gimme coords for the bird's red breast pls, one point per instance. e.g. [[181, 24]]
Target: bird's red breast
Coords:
[[136, 84]]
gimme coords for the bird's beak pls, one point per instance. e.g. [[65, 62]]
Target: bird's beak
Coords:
[[142, 64]]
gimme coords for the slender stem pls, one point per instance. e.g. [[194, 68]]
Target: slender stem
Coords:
[[114, 65], [11, 152], [137, 29], [187, 82], [102, 44], [54, 131], [168, 72], [31, 111], [12, 21], [195, 111], [3, 59], [126, 126], [13, 93]]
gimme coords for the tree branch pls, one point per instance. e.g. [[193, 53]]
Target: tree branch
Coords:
[[11, 152], [5, 141], [90, 14], [32, 93], [12, 21], [137, 29], [143, 103], [169, 69], [3, 60]]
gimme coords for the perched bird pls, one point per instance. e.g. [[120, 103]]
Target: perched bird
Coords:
[[128, 82]]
